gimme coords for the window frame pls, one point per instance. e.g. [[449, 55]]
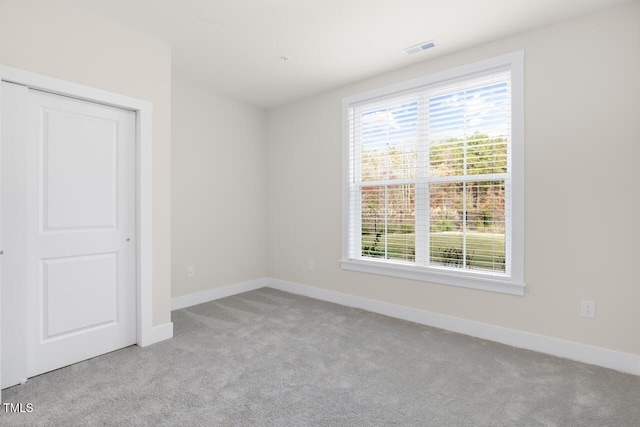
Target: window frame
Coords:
[[512, 283]]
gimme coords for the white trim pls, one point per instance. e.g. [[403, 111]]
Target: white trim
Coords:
[[144, 232], [75, 90], [517, 170], [145, 330], [624, 362], [345, 208], [217, 293], [456, 72], [484, 282], [1, 243], [157, 334]]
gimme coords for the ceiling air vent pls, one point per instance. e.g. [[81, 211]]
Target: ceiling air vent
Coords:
[[420, 47]]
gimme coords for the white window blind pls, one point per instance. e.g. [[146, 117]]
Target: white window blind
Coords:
[[430, 176]]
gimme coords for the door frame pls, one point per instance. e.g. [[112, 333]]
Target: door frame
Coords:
[[144, 109]]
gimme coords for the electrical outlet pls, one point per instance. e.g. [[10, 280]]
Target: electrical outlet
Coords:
[[588, 309], [311, 266], [191, 271]]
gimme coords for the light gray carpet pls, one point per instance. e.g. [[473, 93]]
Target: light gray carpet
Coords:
[[269, 358]]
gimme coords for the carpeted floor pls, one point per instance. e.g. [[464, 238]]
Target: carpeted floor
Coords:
[[269, 358]]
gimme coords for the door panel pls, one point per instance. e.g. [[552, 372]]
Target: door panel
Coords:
[[90, 279], [79, 194], [13, 229], [80, 230]]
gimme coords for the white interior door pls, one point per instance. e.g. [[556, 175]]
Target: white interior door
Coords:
[[80, 231], [13, 205]]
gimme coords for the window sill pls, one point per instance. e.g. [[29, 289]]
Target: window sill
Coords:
[[485, 282]]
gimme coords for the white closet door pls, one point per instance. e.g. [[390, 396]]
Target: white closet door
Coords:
[[80, 229], [13, 293]]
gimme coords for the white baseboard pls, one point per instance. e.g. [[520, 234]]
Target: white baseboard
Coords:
[[624, 362], [157, 334], [217, 293]]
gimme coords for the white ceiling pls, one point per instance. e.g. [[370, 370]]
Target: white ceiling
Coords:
[[234, 47]]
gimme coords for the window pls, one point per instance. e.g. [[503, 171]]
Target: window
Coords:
[[434, 178]]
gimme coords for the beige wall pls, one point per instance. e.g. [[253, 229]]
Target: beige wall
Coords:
[[57, 40], [582, 201], [219, 190]]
